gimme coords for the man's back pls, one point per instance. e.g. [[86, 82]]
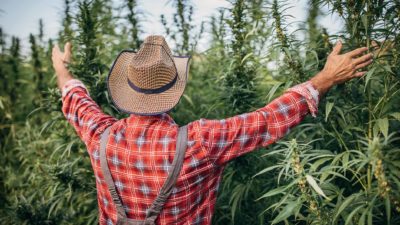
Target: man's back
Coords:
[[140, 150]]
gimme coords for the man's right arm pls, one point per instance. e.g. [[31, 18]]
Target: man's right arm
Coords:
[[235, 136], [80, 110], [229, 138]]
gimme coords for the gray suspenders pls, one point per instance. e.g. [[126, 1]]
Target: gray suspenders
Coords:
[[165, 191]]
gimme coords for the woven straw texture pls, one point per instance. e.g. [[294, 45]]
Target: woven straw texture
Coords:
[[152, 67]]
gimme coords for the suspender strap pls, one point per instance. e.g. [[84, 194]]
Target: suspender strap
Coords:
[[174, 171], [107, 174], [166, 189]]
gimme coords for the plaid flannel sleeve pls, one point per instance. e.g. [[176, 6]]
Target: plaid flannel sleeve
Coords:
[[229, 138], [83, 113]]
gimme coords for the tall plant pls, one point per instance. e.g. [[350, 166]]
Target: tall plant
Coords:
[[182, 30], [235, 201], [344, 173], [87, 64], [57, 174], [15, 71], [239, 80], [287, 43], [66, 33], [133, 18], [37, 65]]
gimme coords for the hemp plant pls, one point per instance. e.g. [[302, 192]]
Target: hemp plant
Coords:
[[66, 33], [239, 80], [87, 63], [351, 148], [133, 19], [14, 61], [182, 27], [37, 65], [246, 31], [286, 42]]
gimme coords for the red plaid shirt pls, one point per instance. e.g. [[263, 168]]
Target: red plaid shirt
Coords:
[[141, 149]]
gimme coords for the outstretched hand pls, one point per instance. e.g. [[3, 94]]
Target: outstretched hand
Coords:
[[60, 61], [340, 68]]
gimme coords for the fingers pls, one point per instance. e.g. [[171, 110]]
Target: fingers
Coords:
[[364, 64], [374, 44], [363, 58], [360, 74], [357, 52], [338, 47], [64, 56], [67, 52], [56, 49], [55, 54]]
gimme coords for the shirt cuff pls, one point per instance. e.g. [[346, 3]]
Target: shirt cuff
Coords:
[[310, 93], [71, 84]]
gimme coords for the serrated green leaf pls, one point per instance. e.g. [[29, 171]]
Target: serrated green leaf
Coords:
[[388, 210], [246, 57], [368, 77], [273, 192], [188, 99], [311, 181], [286, 212], [383, 126], [328, 109], [267, 170], [344, 205], [272, 91], [351, 215], [396, 115], [319, 162]]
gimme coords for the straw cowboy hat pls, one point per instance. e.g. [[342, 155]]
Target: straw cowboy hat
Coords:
[[150, 81]]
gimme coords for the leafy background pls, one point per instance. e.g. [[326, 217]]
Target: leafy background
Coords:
[[342, 167]]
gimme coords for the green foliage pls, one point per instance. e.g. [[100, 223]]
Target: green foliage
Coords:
[[239, 79], [87, 65], [182, 31], [2, 41], [352, 150], [286, 43], [37, 64], [339, 168], [87, 60], [133, 18], [66, 33]]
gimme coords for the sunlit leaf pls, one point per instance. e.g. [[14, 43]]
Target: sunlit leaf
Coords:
[[246, 57], [267, 170], [287, 211], [311, 181], [328, 108], [345, 203], [383, 126], [273, 192], [396, 115], [368, 77], [388, 209]]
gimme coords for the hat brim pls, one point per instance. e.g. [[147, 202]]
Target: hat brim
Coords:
[[130, 101]]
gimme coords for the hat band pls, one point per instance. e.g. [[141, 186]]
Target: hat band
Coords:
[[155, 90]]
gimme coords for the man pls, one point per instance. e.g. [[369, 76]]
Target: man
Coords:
[[140, 148]]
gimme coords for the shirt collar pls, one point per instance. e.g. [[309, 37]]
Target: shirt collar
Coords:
[[163, 116]]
